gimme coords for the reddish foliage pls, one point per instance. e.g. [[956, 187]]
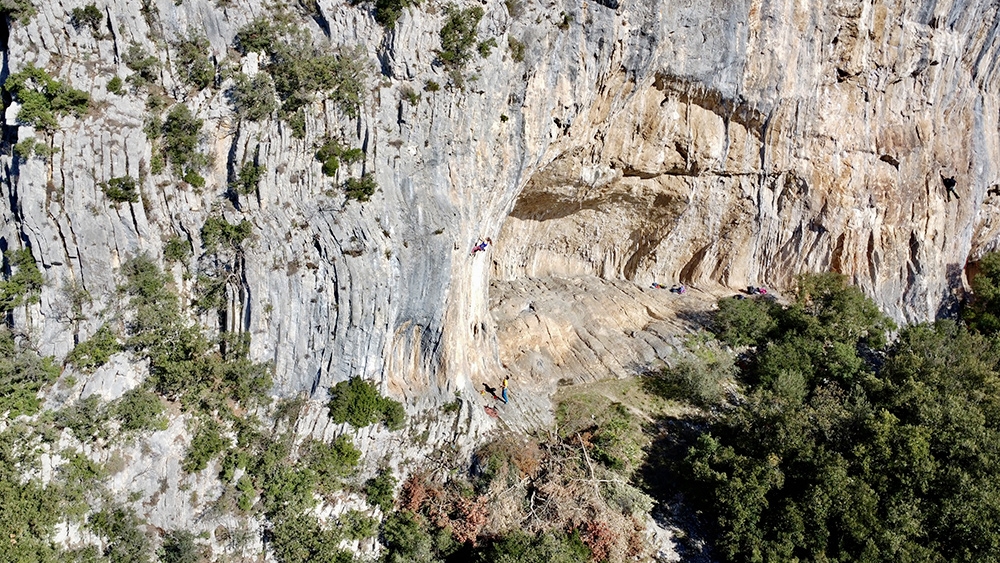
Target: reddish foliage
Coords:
[[600, 538], [471, 517], [636, 539], [416, 492]]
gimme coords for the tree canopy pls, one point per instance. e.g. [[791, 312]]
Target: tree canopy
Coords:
[[847, 448]]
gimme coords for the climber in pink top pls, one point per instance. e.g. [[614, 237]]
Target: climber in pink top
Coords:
[[480, 246]]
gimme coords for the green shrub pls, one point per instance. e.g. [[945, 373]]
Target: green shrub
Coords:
[[258, 36], [744, 322], [42, 98], [17, 10], [121, 189], [458, 36], [514, 7], [431, 86], [217, 230], [177, 249], [360, 189], [253, 98], [116, 86], [179, 547], [25, 282], [248, 178], [486, 47], [22, 375], [247, 493], [982, 313], [565, 21], [86, 419], [194, 178], [181, 135], [381, 490], [359, 403], [296, 121], [407, 538], [196, 69], [27, 148], [145, 67], [120, 529], [243, 380], [357, 525], [387, 12], [95, 351], [206, 444], [332, 153], [138, 410], [516, 48], [331, 462], [89, 16], [697, 380], [300, 539], [301, 71], [409, 94], [546, 547]]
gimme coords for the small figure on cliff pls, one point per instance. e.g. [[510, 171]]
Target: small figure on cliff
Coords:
[[680, 289], [657, 286], [949, 186], [503, 388], [480, 246]]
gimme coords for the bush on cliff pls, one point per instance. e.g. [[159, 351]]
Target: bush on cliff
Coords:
[[359, 403], [848, 449], [43, 98]]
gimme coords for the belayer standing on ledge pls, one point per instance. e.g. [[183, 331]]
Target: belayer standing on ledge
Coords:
[[503, 388]]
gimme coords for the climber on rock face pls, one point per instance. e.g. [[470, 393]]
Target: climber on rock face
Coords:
[[480, 246], [949, 186]]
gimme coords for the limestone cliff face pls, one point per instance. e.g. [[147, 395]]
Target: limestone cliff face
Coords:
[[717, 144]]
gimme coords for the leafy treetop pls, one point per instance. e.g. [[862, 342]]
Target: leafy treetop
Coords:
[[43, 98]]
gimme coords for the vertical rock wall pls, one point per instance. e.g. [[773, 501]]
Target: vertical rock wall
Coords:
[[716, 143]]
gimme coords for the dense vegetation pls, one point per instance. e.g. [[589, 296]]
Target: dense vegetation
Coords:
[[846, 448], [24, 280], [88, 16], [359, 403], [44, 98], [299, 72], [121, 189], [17, 10]]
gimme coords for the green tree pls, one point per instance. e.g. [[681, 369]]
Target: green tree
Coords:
[[983, 311], [196, 68], [43, 98], [254, 98], [458, 36], [359, 403], [181, 136], [830, 459], [121, 529], [95, 351], [23, 373], [24, 283], [381, 490]]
